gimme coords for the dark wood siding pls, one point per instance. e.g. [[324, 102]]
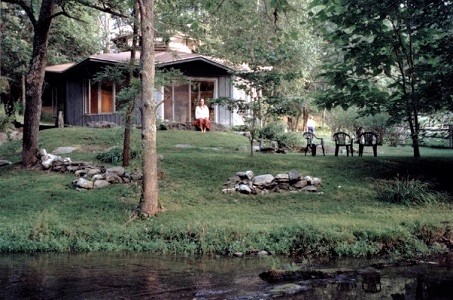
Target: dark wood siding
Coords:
[[74, 104]]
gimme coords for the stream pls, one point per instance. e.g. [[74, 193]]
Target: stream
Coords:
[[146, 276]]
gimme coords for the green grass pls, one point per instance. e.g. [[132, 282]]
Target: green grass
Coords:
[[40, 211]]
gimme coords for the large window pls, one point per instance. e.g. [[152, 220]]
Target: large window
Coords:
[[100, 98]]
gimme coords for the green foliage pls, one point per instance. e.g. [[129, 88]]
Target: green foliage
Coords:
[[409, 191], [392, 56], [272, 130], [114, 155], [291, 140]]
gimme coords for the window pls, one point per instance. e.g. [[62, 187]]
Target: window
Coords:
[[100, 98]]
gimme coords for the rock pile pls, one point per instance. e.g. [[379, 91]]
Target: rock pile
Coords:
[[90, 176], [247, 183]]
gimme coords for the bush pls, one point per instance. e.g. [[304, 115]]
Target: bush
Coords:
[[114, 155], [409, 191], [272, 130], [290, 140]]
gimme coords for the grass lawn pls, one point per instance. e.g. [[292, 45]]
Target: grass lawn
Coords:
[[41, 211]]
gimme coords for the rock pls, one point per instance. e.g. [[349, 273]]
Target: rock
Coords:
[[263, 253], [229, 191], [245, 175], [310, 188], [83, 183], [283, 186], [275, 275], [98, 177], [300, 184], [184, 146], [238, 254], [244, 189], [282, 177], [101, 183], [4, 162], [262, 180], [41, 153], [309, 179], [47, 160], [116, 170], [316, 181], [63, 150], [91, 172], [293, 175], [135, 176], [80, 173], [288, 289], [113, 178]]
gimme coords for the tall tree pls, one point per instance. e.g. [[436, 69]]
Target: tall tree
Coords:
[[149, 204], [393, 56], [41, 23]]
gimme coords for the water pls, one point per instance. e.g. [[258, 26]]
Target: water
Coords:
[[144, 276]]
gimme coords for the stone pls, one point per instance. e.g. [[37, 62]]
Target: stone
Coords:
[[283, 186], [229, 191], [47, 160], [42, 152], [116, 170], [288, 289], [310, 188], [80, 173], [92, 172], [293, 175], [309, 179], [83, 183], [135, 176], [282, 177], [245, 175], [244, 189], [113, 178], [262, 180], [300, 184], [4, 162], [98, 177], [238, 254], [249, 174], [316, 181], [100, 184], [263, 253], [63, 150]]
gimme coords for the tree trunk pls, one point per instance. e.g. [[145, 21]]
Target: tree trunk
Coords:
[[148, 205], [131, 105], [35, 80]]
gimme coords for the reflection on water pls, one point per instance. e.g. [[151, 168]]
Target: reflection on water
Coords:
[[144, 276]]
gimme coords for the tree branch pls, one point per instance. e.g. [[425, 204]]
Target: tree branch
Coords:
[[28, 9], [103, 8]]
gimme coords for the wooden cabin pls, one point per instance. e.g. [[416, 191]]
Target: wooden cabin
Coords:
[[70, 88]]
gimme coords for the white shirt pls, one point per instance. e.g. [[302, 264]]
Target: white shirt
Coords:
[[201, 112]]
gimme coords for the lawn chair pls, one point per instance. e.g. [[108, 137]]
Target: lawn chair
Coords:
[[343, 139], [312, 142], [369, 139]]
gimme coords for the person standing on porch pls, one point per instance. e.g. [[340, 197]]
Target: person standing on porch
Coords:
[[202, 116]]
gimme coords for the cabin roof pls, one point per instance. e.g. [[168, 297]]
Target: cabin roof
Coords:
[[162, 59]]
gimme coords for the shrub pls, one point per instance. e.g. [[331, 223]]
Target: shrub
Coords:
[[409, 191], [272, 130], [114, 155], [291, 140]]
